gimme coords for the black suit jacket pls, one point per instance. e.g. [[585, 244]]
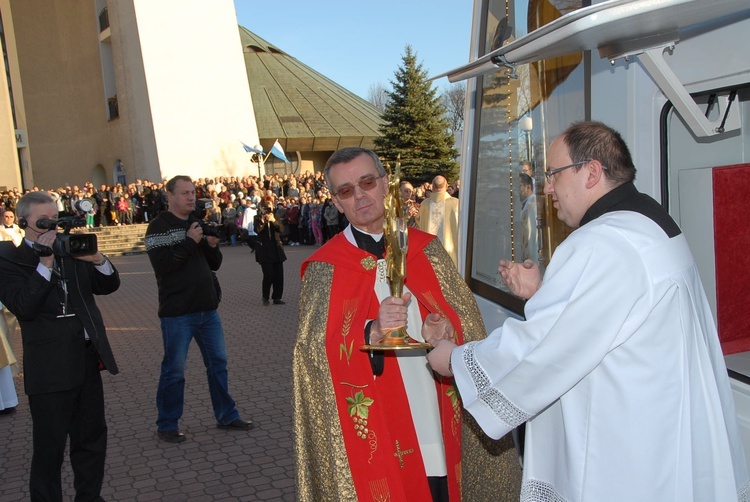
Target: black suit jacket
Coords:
[[54, 347]]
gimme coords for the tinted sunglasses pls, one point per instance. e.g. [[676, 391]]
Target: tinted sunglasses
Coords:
[[366, 184]]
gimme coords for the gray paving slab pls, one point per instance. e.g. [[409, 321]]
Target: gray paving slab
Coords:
[[212, 464]]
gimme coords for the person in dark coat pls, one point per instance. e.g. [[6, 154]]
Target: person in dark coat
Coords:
[[64, 348], [269, 252]]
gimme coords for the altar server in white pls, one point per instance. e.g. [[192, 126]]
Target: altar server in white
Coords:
[[617, 370]]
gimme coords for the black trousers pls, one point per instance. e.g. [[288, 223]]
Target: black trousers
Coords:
[[273, 275], [293, 232], [78, 413], [103, 215], [438, 488]]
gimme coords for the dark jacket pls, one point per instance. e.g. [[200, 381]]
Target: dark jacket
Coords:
[[54, 347], [268, 248], [183, 269]]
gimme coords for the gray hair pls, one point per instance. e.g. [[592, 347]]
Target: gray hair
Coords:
[[347, 155], [23, 208]]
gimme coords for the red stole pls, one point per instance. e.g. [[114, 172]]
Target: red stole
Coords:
[[379, 435]]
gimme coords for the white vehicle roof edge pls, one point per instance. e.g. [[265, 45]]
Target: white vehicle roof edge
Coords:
[[621, 28]]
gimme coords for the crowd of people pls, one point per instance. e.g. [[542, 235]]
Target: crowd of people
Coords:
[[183, 249], [302, 204], [615, 371]]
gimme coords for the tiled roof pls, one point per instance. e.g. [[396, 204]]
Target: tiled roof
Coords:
[[301, 108]]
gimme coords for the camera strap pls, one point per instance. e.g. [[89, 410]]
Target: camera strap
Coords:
[[62, 284]]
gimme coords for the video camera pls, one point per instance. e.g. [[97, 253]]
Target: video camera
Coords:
[[199, 213], [67, 244]]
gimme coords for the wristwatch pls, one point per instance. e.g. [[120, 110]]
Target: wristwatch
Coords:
[[99, 263]]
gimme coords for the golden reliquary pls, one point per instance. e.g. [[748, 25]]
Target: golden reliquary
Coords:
[[396, 235]]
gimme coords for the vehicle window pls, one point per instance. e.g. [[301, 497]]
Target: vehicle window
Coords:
[[517, 117]]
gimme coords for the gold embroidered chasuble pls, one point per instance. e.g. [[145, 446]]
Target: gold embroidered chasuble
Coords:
[[489, 469]]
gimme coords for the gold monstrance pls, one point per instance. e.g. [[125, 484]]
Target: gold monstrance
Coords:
[[396, 235]]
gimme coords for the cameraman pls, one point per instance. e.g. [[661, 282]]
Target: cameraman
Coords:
[[184, 261], [64, 342], [269, 252]]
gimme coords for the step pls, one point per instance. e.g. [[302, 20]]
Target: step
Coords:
[[116, 241]]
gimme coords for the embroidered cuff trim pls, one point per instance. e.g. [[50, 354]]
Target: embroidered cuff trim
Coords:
[[534, 490], [500, 405]]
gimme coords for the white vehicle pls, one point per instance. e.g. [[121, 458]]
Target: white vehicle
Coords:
[[673, 77]]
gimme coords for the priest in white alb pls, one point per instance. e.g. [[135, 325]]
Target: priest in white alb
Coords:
[[617, 370]]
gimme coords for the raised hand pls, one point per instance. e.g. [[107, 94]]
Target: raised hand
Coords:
[[522, 279]]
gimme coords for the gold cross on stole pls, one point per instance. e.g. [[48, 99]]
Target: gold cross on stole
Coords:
[[400, 453]]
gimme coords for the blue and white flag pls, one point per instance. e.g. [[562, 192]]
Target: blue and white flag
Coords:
[[250, 149], [278, 152]]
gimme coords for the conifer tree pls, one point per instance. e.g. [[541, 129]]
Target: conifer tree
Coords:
[[414, 126]]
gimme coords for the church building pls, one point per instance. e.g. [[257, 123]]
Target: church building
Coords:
[[119, 90]]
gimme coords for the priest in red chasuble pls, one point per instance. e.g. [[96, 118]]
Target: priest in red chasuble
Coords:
[[377, 426]]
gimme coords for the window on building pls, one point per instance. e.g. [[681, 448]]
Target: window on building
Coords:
[[103, 19]]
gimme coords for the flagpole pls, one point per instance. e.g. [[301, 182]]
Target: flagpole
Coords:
[[269, 151]]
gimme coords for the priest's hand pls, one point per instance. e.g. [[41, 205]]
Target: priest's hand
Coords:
[[391, 316], [522, 279], [437, 327], [440, 357]]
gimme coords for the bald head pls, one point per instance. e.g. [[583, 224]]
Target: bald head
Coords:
[[439, 184]]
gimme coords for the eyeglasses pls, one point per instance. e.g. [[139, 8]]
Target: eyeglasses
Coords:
[[366, 184], [549, 174]]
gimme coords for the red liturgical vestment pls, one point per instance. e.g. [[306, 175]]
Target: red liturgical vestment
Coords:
[[373, 452]]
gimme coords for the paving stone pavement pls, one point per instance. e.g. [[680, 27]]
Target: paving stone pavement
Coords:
[[212, 464]]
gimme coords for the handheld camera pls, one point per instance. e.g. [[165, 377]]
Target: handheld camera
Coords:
[[67, 244], [199, 213]]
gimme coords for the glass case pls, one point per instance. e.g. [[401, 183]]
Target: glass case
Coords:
[[519, 112]]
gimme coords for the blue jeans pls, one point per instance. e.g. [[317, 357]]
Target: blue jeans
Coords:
[[177, 333]]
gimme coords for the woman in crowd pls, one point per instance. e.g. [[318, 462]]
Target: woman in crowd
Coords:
[[315, 221], [331, 217]]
